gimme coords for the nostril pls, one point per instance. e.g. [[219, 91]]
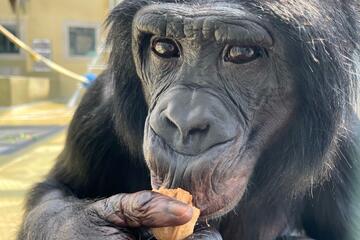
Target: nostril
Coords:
[[202, 129], [186, 128], [170, 123]]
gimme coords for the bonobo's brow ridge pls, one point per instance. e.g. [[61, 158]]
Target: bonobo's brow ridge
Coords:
[[172, 23]]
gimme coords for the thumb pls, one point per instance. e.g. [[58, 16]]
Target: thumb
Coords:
[[143, 209]]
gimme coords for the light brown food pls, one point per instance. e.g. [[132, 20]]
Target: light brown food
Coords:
[[179, 232]]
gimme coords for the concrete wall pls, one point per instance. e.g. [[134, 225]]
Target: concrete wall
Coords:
[[17, 90], [44, 19]]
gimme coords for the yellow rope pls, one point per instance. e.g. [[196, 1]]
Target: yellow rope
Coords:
[[39, 58]]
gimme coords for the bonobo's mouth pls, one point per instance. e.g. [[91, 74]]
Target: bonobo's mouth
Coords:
[[217, 178]]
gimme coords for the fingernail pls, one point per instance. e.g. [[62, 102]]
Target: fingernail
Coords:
[[180, 209]]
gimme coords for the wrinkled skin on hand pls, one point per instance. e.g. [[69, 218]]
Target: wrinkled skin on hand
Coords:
[[201, 232], [143, 209], [124, 212]]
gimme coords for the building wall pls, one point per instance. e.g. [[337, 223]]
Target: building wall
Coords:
[[44, 19]]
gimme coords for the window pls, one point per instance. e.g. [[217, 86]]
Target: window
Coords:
[[82, 41], [7, 47]]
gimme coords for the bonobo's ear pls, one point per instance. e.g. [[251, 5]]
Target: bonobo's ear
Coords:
[[130, 109]]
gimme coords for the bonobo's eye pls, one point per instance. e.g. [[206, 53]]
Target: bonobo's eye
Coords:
[[165, 48], [243, 54]]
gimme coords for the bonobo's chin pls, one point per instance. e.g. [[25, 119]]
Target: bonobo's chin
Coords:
[[217, 178]]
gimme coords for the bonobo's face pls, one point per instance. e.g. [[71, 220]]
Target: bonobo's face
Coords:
[[217, 92]]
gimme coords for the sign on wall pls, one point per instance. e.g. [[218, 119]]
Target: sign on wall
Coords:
[[43, 47]]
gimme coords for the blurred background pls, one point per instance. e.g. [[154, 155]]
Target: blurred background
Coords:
[[36, 101]]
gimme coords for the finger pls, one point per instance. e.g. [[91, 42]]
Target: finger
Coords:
[[205, 233], [146, 209]]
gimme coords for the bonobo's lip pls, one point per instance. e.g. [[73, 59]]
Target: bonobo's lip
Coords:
[[221, 202], [212, 210]]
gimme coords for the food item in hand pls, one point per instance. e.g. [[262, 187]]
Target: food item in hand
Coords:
[[179, 232]]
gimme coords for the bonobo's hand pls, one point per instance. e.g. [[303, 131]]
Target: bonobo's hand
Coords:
[[201, 232], [122, 216]]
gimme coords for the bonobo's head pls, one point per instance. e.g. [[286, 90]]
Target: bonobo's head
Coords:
[[232, 95], [210, 77]]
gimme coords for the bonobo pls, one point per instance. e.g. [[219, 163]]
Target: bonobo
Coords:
[[249, 105]]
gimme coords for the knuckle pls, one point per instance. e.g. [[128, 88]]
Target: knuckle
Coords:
[[125, 210], [134, 208], [105, 207], [137, 201]]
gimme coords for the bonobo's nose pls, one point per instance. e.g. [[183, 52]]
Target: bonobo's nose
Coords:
[[192, 121], [189, 122]]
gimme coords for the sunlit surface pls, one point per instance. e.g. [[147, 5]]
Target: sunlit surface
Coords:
[[28, 163]]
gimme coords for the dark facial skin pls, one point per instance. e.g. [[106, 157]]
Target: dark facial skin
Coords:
[[211, 82]]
